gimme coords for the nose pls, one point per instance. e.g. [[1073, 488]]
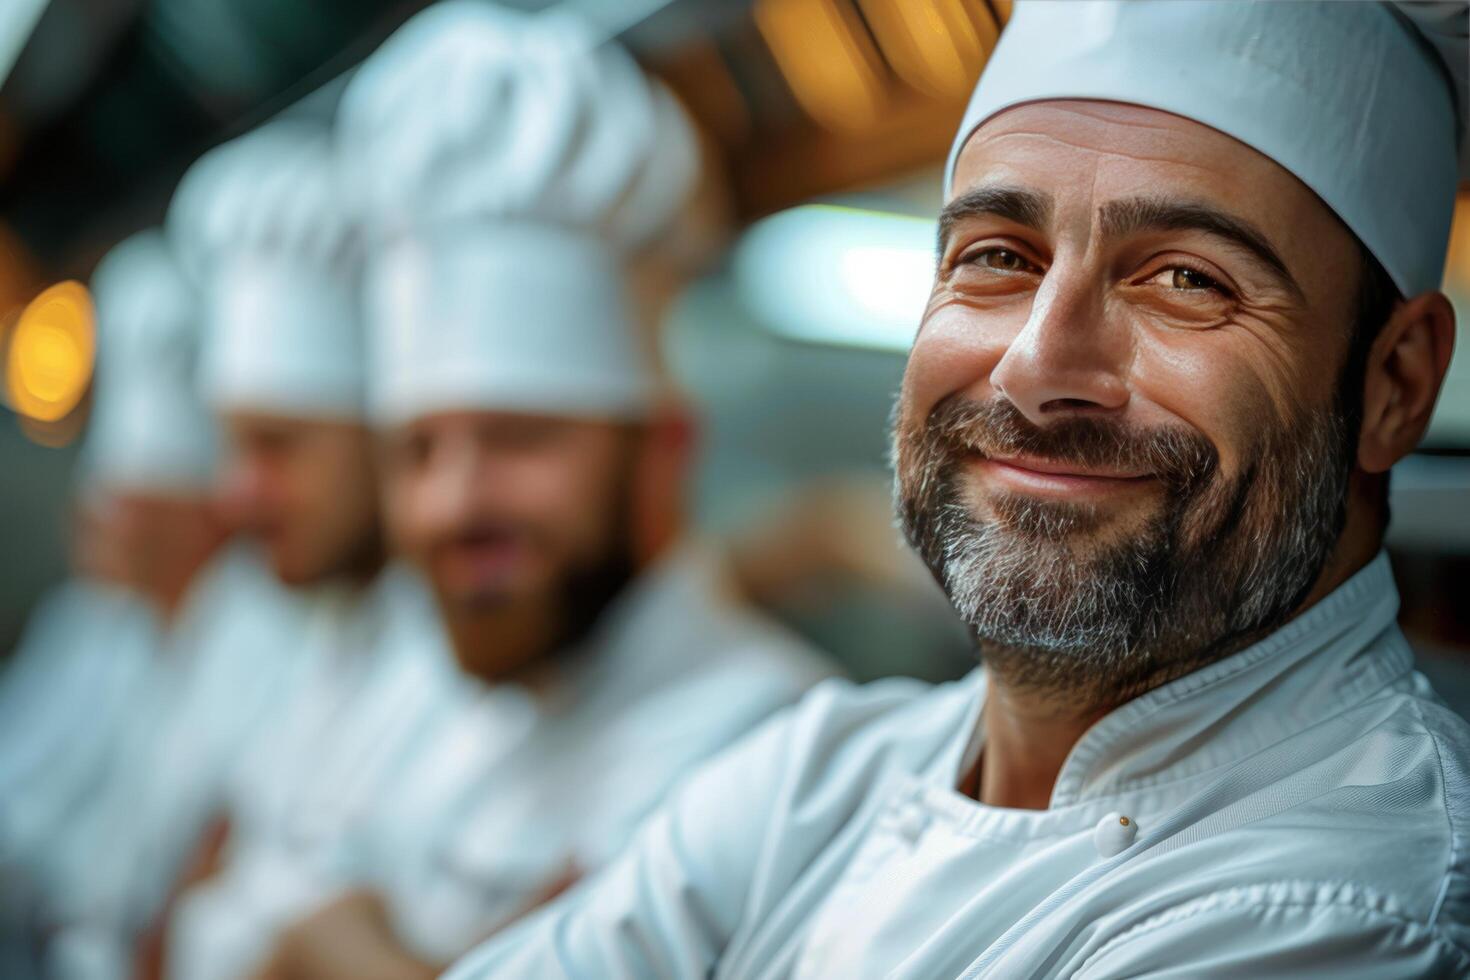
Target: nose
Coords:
[[239, 493], [449, 498], [1068, 358]]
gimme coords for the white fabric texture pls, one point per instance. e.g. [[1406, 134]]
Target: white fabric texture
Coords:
[[148, 428], [239, 631], [234, 655], [1301, 810], [474, 112], [375, 676], [267, 232], [509, 316], [84, 664], [1349, 97], [517, 791], [468, 129]]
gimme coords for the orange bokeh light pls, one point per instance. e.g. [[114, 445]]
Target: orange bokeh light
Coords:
[[51, 353]]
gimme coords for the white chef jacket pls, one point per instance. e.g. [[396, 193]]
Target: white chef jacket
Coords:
[[1297, 809], [79, 676], [518, 791], [237, 637], [376, 675], [229, 663]]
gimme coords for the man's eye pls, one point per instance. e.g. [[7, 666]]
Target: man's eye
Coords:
[[1002, 260], [1183, 278]]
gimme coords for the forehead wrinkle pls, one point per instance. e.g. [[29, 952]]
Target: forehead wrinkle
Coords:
[[1210, 169]]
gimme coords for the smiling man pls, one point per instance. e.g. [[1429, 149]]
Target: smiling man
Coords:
[[1185, 318]]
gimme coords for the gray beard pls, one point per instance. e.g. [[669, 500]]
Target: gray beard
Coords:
[[1221, 563]]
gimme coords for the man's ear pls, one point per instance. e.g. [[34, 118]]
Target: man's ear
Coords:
[[1405, 370]]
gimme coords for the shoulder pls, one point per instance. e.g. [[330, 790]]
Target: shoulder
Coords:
[[897, 717], [776, 797], [1281, 928], [742, 650], [1447, 767], [1394, 794], [1405, 802], [1359, 855], [825, 755], [836, 738]]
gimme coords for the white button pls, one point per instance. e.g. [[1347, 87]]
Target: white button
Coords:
[[1114, 833], [911, 822]]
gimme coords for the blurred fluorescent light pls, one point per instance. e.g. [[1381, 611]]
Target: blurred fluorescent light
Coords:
[[17, 20], [837, 275]]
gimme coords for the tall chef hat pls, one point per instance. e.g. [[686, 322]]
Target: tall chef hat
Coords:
[[505, 163], [263, 225], [148, 429], [475, 111], [1364, 102], [505, 316]]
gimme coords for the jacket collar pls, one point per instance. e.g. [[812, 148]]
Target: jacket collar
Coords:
[[1327, 660]]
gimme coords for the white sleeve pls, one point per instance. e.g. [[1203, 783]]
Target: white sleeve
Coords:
[[1240, 933], [669, 737], [668, 906]]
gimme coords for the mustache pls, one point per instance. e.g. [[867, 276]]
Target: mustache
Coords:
[[1180, 457], [481, 532]]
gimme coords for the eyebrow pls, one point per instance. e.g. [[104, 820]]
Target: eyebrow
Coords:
[[1130, 216], [1024, 207]]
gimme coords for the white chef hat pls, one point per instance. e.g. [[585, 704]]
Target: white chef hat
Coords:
[[263, 224], [148, 428], [475, 111], [505, 164], [1361, 101], [508, 315]]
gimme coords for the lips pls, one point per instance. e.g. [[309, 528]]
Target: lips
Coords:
[[479, 561], [1036, 464], [1044, 477]]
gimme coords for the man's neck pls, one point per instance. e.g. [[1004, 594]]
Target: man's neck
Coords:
[[1028, 732], [1027, 738]]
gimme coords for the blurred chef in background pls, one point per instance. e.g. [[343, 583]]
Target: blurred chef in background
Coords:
[[533, 469], [97, 662], [277, 257], [222, 662]]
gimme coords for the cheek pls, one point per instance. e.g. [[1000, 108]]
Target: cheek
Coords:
[[322, 498], [320, 489], [956, 349], [572, 493], [567, 490], [408, 512], [1212, 386]]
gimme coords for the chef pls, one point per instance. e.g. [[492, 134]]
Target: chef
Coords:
[[534, 462], [1185, 317], [92, 661], [277, 254], [218, 657]]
